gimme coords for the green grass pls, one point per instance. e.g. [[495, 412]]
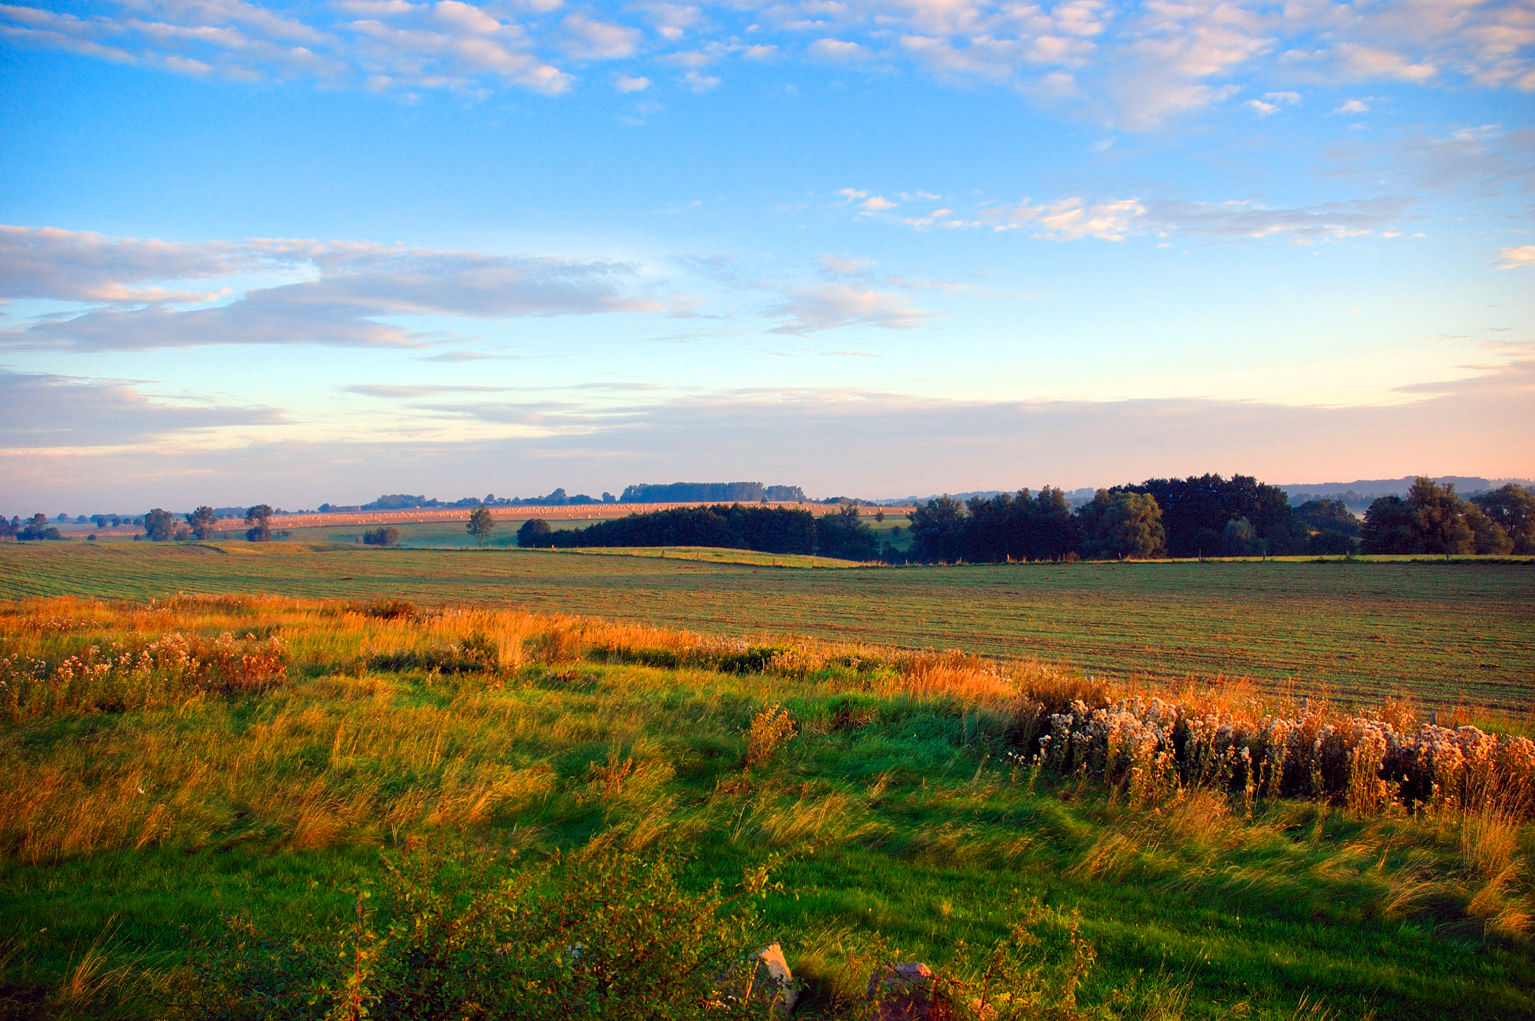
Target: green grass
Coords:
[[1440, 633], [906, 820]]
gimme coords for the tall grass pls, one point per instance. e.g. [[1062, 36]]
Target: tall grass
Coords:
[[907, 777]]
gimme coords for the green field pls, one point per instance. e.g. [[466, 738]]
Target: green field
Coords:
[[1441, 633], [143, 813]]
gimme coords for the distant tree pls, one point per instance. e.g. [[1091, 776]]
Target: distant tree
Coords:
[[159, 525], [259, 518], [1240, 539], [534, 534], [1389, 527], [1123, 524], [1439, 517], [480, 524], [1328, 542], [1512, 508], [202, 522], [36, 527], [1326, 515], [938, 530], [8, 529], [844, 534], [381, 536]]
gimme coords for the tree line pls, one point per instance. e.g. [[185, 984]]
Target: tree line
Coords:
[[1432, 518], [1208, 515], [842, 533]]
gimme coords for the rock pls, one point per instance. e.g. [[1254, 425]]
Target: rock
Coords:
[[773, 982], [903, 992], [770, 982]]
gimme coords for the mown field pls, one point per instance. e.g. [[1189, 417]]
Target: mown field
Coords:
[[200, 790], [1442, 633]]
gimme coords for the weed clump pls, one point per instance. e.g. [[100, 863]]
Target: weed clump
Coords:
[[770, 730], [591, 933], [122, 675]]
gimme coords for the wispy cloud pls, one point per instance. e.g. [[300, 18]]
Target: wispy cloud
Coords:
[[350, 290], [1114, 219], [827, 306], [1135, 66], [45, 411], [1521, 257]]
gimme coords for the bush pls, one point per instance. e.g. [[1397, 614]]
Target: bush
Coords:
[[381, 536], [593, 933]]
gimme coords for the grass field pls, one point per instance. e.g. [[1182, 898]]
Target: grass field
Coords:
[[226, 757], [1440, 633]]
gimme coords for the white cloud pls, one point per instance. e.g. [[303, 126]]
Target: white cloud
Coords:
[[832, 305], [837, 50], [1355, 60], [39, 411], [626, 83], [1354, 106], [876, 204], [1516, 258], [465, 18], [1137, 66], [1069, 219], [347, 292], [600, 40]]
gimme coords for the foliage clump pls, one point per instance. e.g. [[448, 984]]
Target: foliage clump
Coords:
[[591, 933]]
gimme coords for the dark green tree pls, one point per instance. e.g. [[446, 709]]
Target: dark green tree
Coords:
[[1389, 527], [202, 522], [1240, 539], [938, 530], [481, 523], [1439, 518], [1326, 515], [259, 518], [1124, 524], [844, 534], [534, 534], [159, 525], [1513, 509]]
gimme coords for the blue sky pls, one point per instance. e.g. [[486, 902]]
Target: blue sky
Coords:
[[318, 251]]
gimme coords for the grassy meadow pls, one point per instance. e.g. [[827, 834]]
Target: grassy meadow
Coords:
[[1440, 633], [200, 787]]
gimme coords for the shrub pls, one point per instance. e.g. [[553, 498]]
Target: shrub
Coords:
[[167, 671], [770, 730], [593, 933]]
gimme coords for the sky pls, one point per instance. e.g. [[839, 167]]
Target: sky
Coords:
[[314, 252]]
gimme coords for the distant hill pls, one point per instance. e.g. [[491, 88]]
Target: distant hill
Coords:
[[1074, 497], [1361, 492], [720, 492]]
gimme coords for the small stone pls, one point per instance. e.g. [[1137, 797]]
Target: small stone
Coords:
[[902, 992]]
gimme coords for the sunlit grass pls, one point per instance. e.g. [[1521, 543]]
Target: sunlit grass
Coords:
[[895, 777]]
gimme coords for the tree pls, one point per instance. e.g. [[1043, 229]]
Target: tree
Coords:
[[534, 534], [480, 524], [844, 534], [938, 530], [159, 525], [259, 518], [202, 522], [1326, 515], [1513, 508], [1123, 524], [1389, 527], [1440, 518], [1240, 539], [381, 536], [37, 527]]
